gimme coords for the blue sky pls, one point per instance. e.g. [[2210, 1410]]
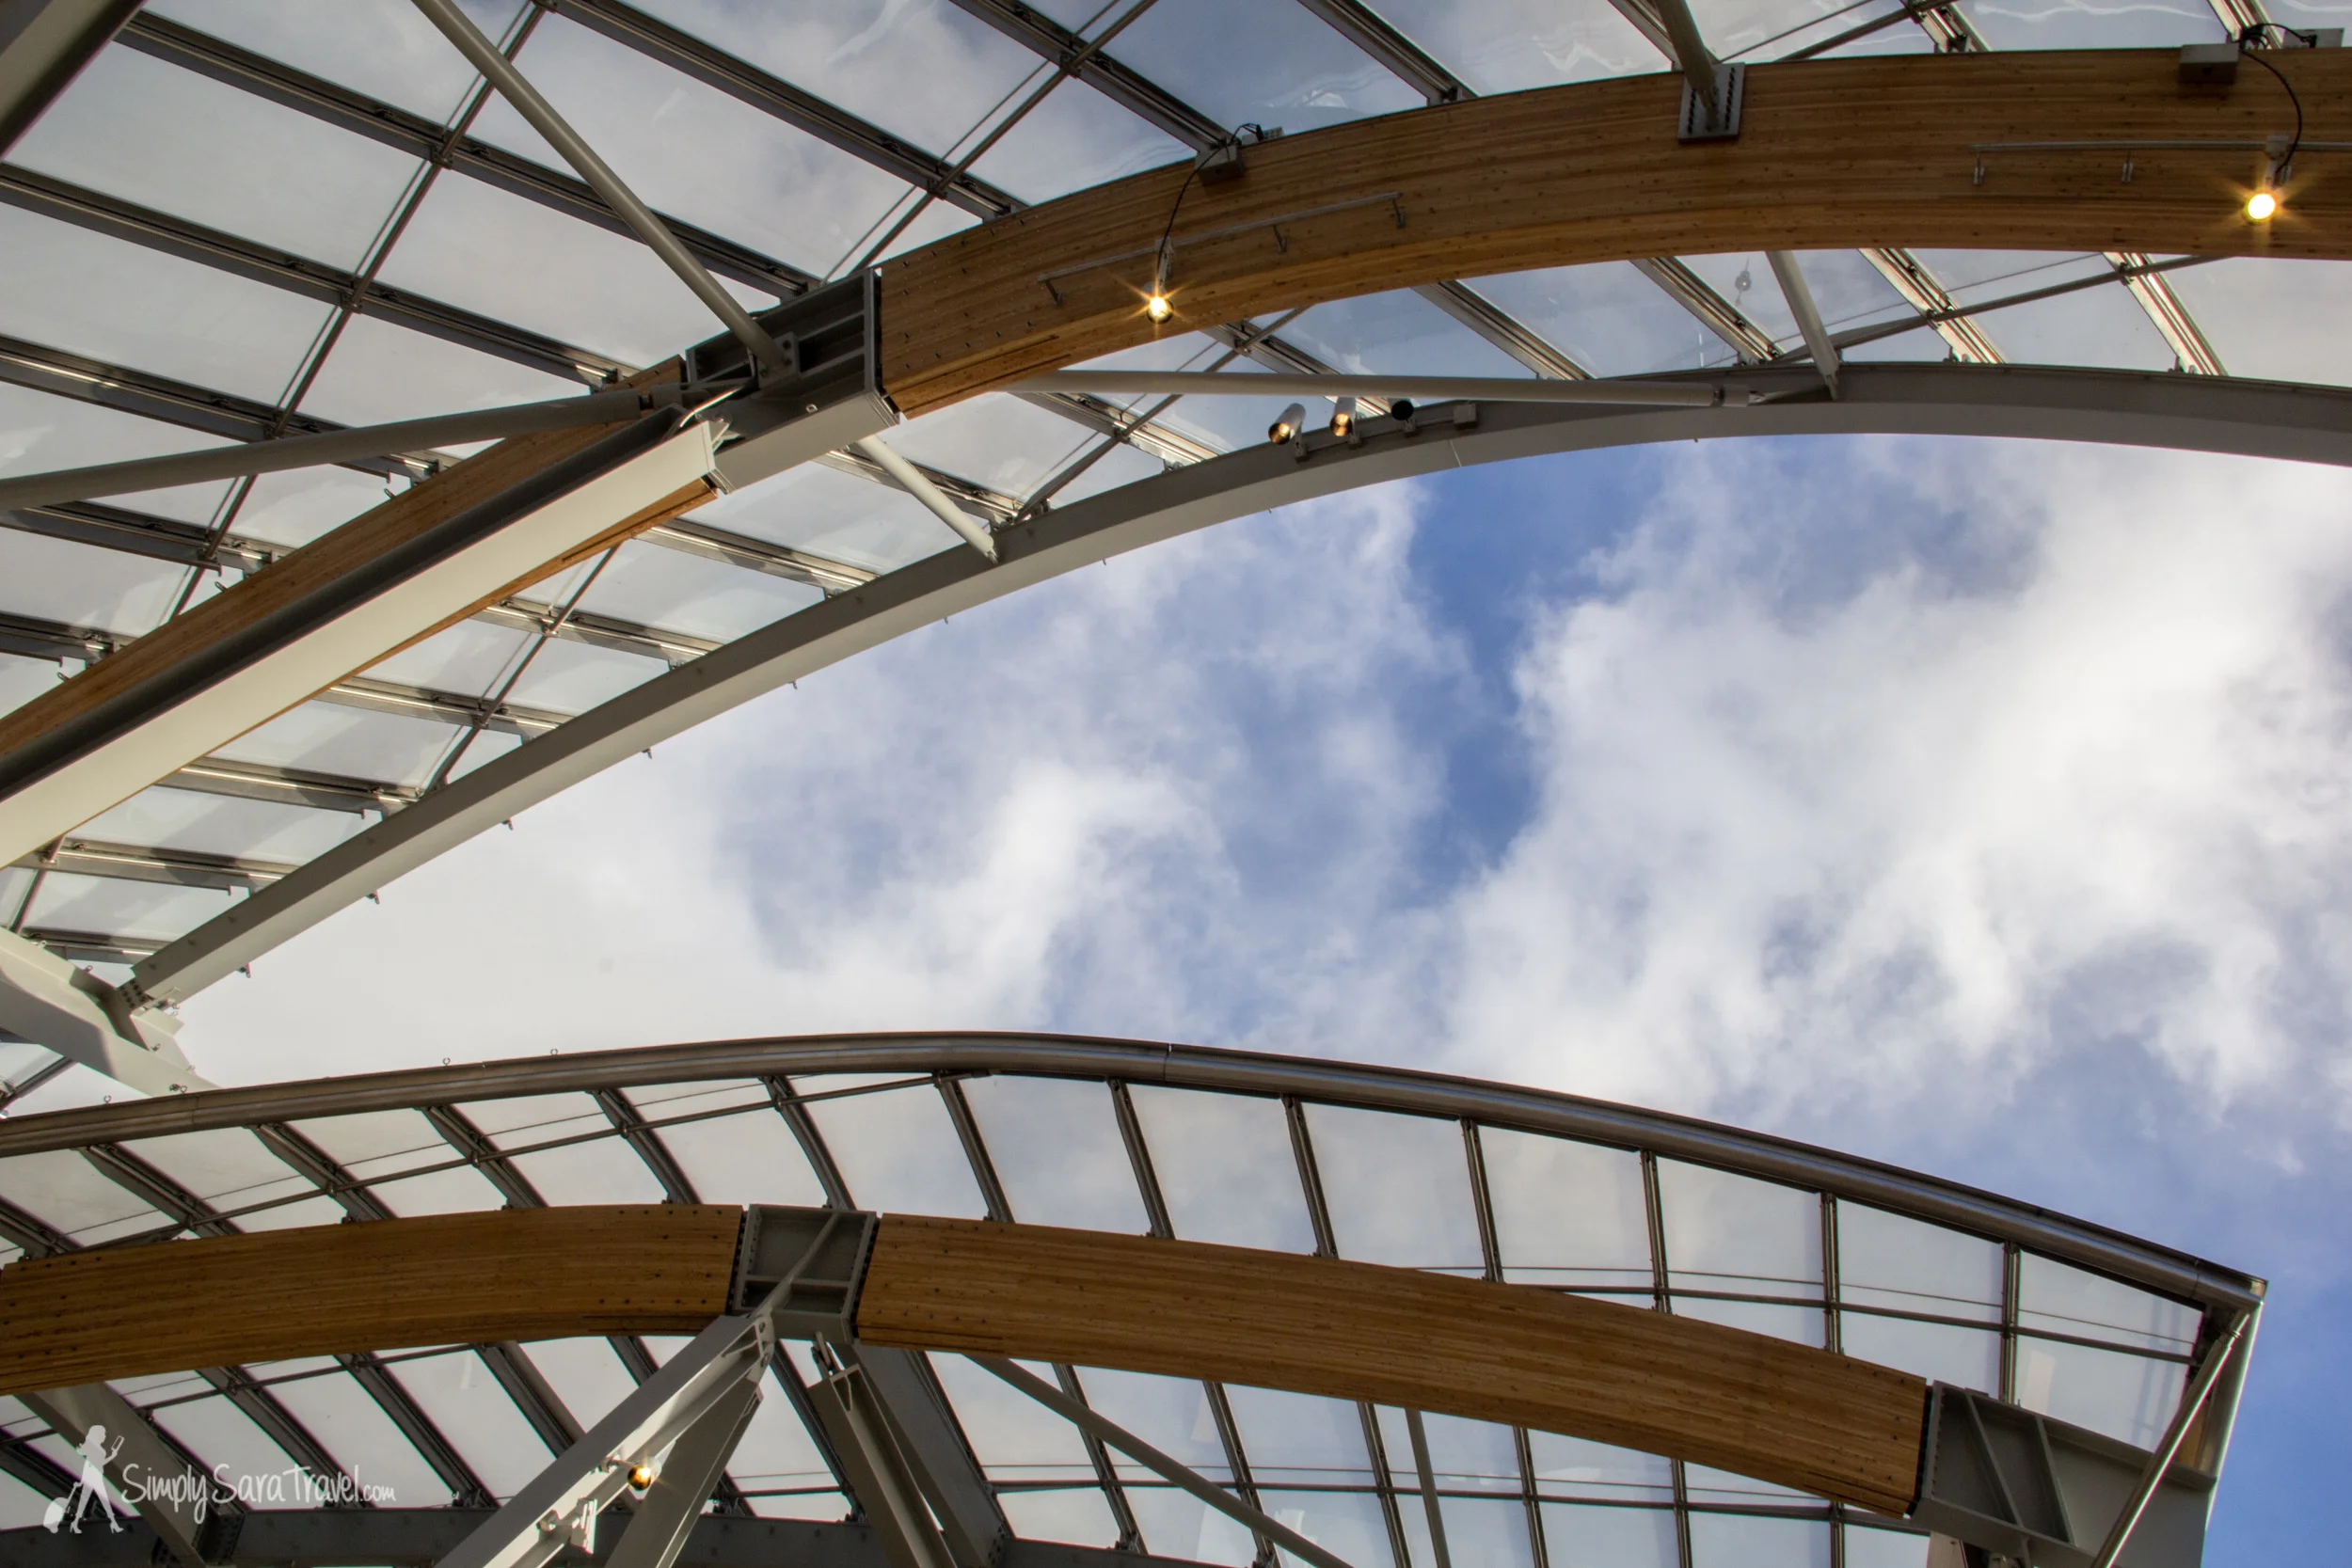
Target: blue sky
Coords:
[[1977, 806]]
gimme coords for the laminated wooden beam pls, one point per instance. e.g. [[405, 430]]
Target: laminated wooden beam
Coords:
[[1877, 152]]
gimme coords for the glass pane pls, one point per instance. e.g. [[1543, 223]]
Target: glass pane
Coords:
[[1467, 1455], [460, 1396], [168, 139], [1888, 1260], [1055, 1146], [140, 910], [1940, 1353], [295, 508], [1300, 1439], [2065, 1300], [1078, 1514], [750, 1158], [777, 1455], [683, 593], [1399, 333], [1609, 1537], [82, 586], [2085, 25], [386, 48], [380, 372], [236, 1455], [1398, 1188], [1486, 1532], [222, 825], [377, 1145], [897, 1151], [1736, 1541], [573, 677], [67, 1193], [1710, 1485], [39, 433], [471, 658], [997, 442], [1884, 1548], [354, 1430], [1726, 1232], [587, 1375], [1567, 1213], [1575, 1468], [231, 1169], [1348, 1524], [1225, 1168], [1014, 1437], [1608, 317], [1075, 140], [1171, 1413], [331, 738], [1504, 45], [1295, 74], [1176, 1524], [2125, 1396], [1801, 1324], [602, 1169], [832, 514], [2273, 320]]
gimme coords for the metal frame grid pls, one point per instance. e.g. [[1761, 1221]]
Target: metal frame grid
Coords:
[[794, 1086]]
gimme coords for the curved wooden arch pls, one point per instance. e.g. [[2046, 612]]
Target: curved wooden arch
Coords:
[[1832, 154], [1781, 1412]]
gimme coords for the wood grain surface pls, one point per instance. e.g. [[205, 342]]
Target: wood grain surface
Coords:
[[524, 1274], [1759, 1406], [1832, 154]]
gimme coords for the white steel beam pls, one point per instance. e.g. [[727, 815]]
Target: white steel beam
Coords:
[[1800, 298], [54, 1003]]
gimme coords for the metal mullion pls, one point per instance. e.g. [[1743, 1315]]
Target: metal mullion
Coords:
[[1384, 1482], [1105, 1474], [696, 537], [1398, 54], [125, 531], [415, 1425], [995, 504], [247, 259], [648, 1145], [1139, 1159], [315, 1165], [1654, 1211], [1539, 1550], [1833, 1340], [1310, 1177], [540, 1405], [1105, 418], [2011, 1269], [609, 632], [156, 1190], [349, 110], [12, 1092], [1051, 41], [1237, 1462], [812, 1140], [1481, 1202], [747, 83], [134, 862], [975, 1149], [483, 1155], [454, 708], [290, 787], [1924, 292]]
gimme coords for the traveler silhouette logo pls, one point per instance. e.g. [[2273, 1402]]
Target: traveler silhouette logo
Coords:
[[92, 1488]]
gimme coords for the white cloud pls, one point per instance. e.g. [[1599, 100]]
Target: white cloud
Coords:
[[1892, 789]]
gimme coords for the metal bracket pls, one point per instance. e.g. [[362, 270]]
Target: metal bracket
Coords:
[[1697, 123], [831, 338], [810, 1260]]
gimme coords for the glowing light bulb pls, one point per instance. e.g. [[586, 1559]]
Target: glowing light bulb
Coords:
[[641, 1476], [1343, 417], [1157, 307], [1293, 418], [2261, 206]]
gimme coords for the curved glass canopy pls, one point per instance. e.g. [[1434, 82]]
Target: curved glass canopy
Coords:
[[246, 219], [1405, 1169]]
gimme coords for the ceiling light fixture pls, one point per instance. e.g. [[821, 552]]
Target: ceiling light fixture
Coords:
[[641, 1476], [1156, 306], [2262, 206], [1342, 417], [1293, 419]]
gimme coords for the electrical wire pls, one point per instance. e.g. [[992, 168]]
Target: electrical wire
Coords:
[[2250, 47]]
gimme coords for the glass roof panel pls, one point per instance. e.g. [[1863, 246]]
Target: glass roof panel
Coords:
[[295, 508], [602, 1169], [332, 738], [863, 56], [222, 825], [377, 1146], [1397, 1188], [461, 1397], [1888, 1260], [475, 245], [897, 1150], [667, 588], [1122, 465], [226, 1166], [1076, 138], [1970, 1357], [1726, 1232], [1225, 1167], [1468, 1456], [67, 1193], [1567, 1213], [1078, 1514], [1883, 1548], [573, 677], [1399, 333], [1014, 1437], [1608, 317], [1175, 1524], [1752, 1540], [80, 585], [171, 139], [997, 441], [2125, 1396], [1055, 1146], [1706, 1485], [38, 431], [586, 1374], [1486, 1533], [1347, 1523], [93, 295], [468, 658], [2091, 24], [2098, 327], [706, 157], [1293, 72], [1300, 1439], [776, 1453], [21, 1506], [751, 1158], [1802, 1325], [24, 679], [385, 48], [357, 1434], [2062, 1299], [380, 372], [1586, 1537], [112, 906], [1921, 344], [1574, 1467], [832, 514], [2274, 320], [1505, 45], [236, 1453], [1172, 1414]]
